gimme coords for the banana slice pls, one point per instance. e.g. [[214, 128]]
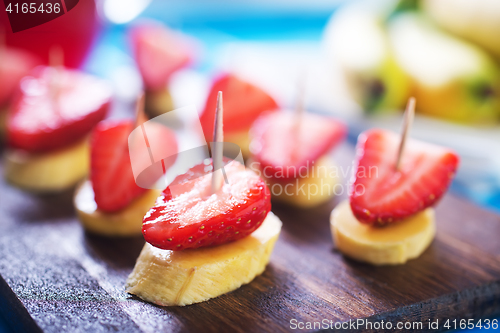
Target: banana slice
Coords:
[[126, 222], [389, 245], [319, 187], [242, 139], [48, 172], [3, 122], [159, 102], [169, 278]]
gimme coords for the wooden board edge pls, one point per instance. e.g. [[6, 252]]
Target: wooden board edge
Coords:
[[479, 302], [13, 313]]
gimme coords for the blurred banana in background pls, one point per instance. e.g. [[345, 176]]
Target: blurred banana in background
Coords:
[[388, 50], [475, 20], [356, 40], [451, 78]]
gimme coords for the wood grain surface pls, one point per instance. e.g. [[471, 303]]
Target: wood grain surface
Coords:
[[69, 280]]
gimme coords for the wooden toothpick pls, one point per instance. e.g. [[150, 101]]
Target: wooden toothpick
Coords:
[[139, 110], [407, 122], [298, 112], [56, 56], [299, 104], [218, 171], [56, 61]]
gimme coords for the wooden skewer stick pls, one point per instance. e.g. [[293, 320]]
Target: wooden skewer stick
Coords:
[[139, 110], [299, 104], [140, 119], [298, 113], [217, 163], [56, 57], [407, 122], [56, 61]]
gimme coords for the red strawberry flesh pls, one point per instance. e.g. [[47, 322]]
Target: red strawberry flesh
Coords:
[[111, 171], [282, 153], [159, 52], [243, 103], [187, 215], [41, 122], [381, 194]]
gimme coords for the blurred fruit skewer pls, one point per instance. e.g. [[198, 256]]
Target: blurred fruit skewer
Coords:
[[389, 218], [215, 239], [159, 52], [56, 63], [48, 127], [112, 202]]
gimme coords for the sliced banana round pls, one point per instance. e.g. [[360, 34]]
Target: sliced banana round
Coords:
[[320, 185], [126, 222], [388, 245], [3, 122], [185, 277], [48, 172], [159, 102]]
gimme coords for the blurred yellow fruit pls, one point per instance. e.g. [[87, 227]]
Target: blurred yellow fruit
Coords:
[[317, 188], [158, 102], [477, 20], [356, 40], [451, 78], [123, 223], [48, 172]]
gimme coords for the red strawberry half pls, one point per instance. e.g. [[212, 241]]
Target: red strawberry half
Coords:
[[42, 121], [111, 171], [187, 215], [243, 103], [159, 52], [381, 194], [282, 153]]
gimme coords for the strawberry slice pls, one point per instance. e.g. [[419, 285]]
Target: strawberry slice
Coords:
[[187, 215], [159, 52], [14, 65], [47, 118], [380, 194], [282, 153], [110, 166], [243, 103]]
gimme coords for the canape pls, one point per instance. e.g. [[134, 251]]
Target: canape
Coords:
[[48, 126], [159, 52], [210, 231], [389, 218], [244, 103], [111, 203], [293, 155], [14, 65]]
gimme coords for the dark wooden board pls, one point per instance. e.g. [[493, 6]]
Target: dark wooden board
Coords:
[[72, 281]]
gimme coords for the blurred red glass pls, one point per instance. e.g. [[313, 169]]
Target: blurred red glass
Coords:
[[74, 32]]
